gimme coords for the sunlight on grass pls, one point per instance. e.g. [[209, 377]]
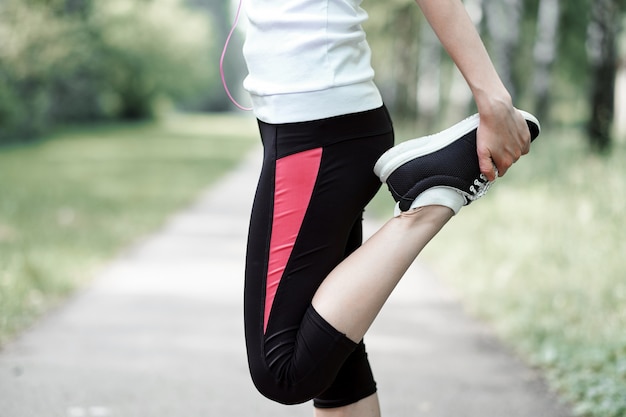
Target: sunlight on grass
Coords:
[[72, 201]]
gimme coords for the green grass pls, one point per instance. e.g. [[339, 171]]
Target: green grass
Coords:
[[71, 201], [542, 258]]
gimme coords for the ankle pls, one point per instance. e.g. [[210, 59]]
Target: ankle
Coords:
[[429, 216], [436, 196]]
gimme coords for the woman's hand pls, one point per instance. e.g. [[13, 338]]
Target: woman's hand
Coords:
[[503, 135], [502, 138]]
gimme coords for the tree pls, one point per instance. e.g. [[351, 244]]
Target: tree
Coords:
[[214, 98], [503, 26], [544, 53], [602, 52], [64, 61], [429, 77], [399, 66]]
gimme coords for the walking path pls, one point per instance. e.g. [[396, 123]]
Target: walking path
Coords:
[[159, 334]]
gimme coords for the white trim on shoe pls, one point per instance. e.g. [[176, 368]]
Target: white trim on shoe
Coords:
[[414, 148]]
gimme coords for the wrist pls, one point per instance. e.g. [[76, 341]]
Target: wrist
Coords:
[[493, 101]]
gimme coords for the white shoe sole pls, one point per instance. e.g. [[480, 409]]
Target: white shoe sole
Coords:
[[414, 148]]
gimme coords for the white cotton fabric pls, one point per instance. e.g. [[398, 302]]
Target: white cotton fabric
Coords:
[[308, 60]]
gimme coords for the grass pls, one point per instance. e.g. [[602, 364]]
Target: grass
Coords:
[[542, 258], [71, 201]]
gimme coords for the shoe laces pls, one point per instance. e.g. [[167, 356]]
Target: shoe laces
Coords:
[[480, 187]]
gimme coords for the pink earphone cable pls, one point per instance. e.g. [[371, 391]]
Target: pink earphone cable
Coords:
[[232, 29]]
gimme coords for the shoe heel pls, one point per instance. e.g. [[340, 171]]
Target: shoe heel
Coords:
[[533, 124]]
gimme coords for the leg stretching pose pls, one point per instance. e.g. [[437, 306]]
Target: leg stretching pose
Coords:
[[312, 290], [309, 170]]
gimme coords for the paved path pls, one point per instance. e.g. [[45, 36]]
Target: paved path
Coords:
[[159, 334]]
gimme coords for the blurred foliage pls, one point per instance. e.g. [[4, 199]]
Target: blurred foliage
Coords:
[[567, 93], [67, 60]]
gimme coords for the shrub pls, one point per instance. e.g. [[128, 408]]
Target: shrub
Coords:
[[119, 59]]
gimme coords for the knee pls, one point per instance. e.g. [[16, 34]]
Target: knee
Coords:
[[281, 390]]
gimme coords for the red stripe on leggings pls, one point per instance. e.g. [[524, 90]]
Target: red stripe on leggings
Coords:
[[295, 178]]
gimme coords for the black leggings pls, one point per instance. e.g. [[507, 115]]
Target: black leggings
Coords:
[[315, 182]]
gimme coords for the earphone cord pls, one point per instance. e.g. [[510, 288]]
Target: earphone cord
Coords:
[[232, 29]]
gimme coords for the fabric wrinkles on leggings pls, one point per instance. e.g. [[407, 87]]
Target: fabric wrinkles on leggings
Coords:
[[316, 179]]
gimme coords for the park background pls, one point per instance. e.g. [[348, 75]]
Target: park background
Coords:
[[112, 116]]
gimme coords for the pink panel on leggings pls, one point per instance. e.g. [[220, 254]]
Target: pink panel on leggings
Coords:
[[295, 178]]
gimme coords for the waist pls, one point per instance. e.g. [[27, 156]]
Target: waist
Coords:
[[315, 105]]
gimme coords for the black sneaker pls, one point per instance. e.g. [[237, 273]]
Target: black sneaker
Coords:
[[439, 169]]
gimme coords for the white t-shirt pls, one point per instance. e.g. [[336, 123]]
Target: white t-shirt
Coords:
[[308, 60]]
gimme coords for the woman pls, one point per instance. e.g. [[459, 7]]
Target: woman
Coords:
[[312, 290]]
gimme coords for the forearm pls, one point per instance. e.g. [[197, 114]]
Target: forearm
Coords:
[[503, 135], [460, 39]]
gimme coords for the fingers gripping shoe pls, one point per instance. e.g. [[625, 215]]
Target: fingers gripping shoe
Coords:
[[439, 169]]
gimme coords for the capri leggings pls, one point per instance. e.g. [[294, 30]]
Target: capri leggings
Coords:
[[315, 182]]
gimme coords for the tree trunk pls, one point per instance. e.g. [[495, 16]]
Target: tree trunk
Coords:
[[602, 52], [221, 14], [82, 8], [429, 78], [544, 54], [503, 21], [404, 28]]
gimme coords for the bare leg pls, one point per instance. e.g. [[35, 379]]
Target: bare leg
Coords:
[[367, 407], [352, 295]]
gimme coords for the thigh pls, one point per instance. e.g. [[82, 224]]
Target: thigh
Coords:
[[311, 210]]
